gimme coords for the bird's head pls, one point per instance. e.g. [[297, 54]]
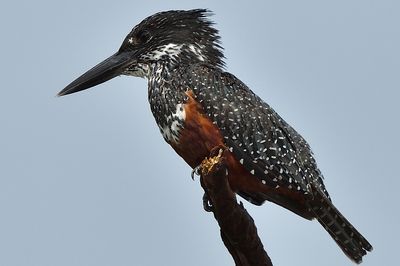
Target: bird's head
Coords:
[[171, 37]]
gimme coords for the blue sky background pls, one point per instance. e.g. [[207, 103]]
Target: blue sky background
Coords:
[[88, 180]]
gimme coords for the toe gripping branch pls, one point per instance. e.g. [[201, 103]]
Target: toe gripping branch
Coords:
[[238, 231]]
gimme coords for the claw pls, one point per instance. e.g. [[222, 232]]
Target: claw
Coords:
[[195, 171], [207, 205]]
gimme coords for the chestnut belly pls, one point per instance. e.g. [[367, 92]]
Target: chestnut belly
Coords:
[[199, 136]]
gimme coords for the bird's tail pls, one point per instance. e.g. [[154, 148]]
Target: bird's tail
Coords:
[[353, 244]]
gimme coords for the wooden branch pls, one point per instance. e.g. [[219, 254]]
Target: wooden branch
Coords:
[[238, 231]]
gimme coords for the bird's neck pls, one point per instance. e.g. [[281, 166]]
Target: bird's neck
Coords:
[[166, 96], [159, 71]]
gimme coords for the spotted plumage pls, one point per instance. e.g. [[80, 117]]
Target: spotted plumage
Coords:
[[199, 107]]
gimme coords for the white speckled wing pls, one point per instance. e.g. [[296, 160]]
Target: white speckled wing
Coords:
[[260, 139]]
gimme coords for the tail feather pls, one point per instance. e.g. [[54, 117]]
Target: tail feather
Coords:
[[353, 244]]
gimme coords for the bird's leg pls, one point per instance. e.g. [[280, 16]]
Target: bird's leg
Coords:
[[206, 166]]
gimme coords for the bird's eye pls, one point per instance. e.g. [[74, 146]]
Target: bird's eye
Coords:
[[141, 37]]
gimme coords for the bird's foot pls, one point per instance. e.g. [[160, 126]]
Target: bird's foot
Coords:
[[204, 169], [196, 171], [208, 163]]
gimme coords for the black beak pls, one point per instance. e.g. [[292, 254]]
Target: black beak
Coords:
[[113, 66]]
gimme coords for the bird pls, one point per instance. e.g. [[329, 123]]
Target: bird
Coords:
[[199, 106]]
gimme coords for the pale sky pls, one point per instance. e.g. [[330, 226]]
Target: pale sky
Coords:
[[87, 179]]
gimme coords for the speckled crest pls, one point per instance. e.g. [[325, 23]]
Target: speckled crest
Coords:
[[165, 35]]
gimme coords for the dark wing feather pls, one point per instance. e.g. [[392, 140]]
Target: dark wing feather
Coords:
[[259, 138]]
